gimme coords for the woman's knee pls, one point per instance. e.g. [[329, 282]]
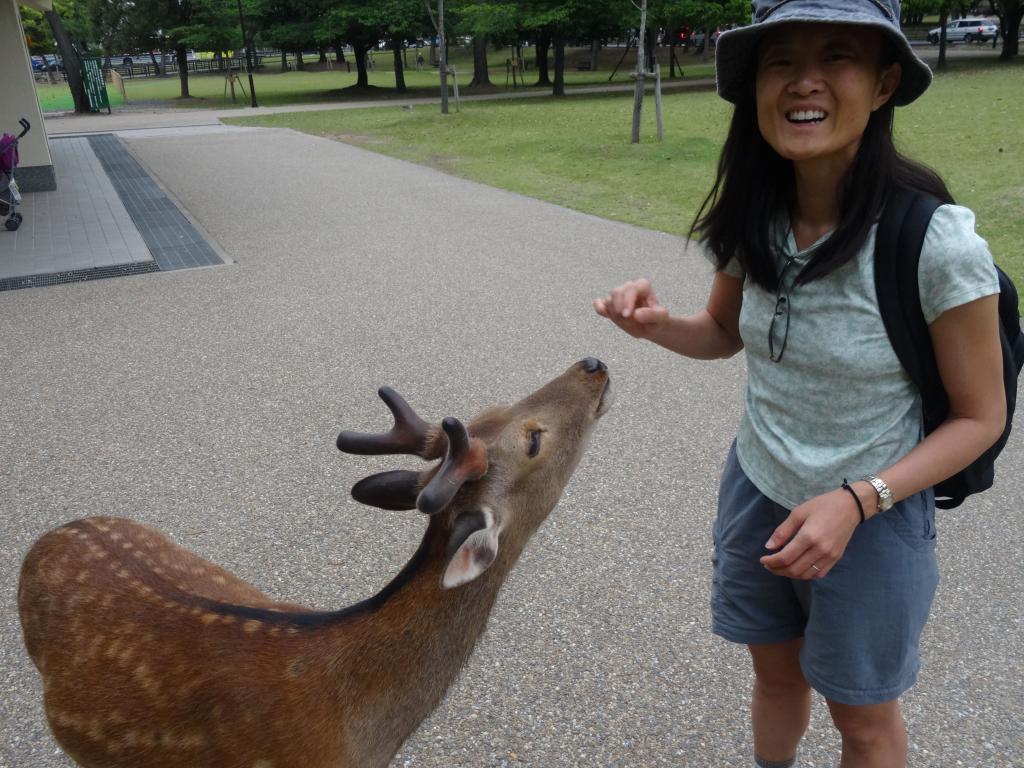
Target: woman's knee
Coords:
[[870, 725]]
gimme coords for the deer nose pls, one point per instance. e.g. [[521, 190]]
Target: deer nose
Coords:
[[593, 365]]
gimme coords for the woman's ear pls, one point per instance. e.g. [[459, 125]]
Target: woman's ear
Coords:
[[888, 82]]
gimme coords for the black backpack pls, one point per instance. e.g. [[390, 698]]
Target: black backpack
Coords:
[[900, 235]]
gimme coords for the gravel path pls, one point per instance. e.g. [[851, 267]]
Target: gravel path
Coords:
[[208, 401]]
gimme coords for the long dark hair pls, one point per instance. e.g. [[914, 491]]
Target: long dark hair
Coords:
[[755, 185]]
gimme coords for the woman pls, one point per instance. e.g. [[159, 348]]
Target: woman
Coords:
[[828, 582]]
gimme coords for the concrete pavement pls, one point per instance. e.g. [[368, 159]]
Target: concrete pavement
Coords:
[[207, 402]]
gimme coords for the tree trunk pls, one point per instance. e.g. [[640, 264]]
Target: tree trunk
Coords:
[[943, 18], [182, 56], [300, 65], [1012, 14], [359, 52], [480, 74], [543, 43], [72, 64], [559, 87], [323, 54], [672, 62], [284, 60], [396, 44], [595, 47], [339, 51]]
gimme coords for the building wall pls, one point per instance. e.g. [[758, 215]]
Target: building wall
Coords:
[[18, 99]]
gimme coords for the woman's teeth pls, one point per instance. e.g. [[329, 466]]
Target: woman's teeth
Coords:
[[808, 116]]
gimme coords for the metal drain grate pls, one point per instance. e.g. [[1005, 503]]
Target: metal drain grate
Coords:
[[170, 237], [78, 275]]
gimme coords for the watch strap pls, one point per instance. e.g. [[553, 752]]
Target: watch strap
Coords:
[[885, 499]]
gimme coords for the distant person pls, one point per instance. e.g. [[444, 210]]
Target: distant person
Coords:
[[419, 59], [828, 581]]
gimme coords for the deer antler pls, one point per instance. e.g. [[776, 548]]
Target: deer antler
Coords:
[[466, 460], [411, 434]]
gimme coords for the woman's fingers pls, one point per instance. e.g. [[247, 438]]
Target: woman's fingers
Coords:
[[800, 559], [624, 300], [648, 315]]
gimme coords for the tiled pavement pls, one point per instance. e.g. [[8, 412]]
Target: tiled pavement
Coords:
[[106, 218]]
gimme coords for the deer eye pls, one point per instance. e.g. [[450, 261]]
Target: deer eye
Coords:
[[534, 448]]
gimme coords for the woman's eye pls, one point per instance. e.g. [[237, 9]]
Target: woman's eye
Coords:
[[534, 448]]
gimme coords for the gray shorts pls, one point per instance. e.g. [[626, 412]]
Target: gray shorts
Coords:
[[861, 624]]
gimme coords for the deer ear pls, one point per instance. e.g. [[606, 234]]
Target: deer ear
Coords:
[[472, 547], [396, 489]]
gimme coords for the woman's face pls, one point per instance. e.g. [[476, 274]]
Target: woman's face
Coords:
[[817, 85]]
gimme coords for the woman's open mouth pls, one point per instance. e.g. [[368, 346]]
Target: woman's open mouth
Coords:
[[806, 116]]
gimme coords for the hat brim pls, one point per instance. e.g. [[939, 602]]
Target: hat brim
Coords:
[[736, 48]]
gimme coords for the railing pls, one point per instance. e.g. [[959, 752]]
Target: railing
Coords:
[[147, 69]]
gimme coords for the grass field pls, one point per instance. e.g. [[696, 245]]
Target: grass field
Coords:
[[275, 88], [576, 151]]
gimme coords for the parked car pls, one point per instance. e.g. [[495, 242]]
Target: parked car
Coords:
[[965, 31]]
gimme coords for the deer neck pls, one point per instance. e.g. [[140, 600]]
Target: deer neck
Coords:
[[400, 657]]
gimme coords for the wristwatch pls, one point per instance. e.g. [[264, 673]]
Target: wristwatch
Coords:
[[885, 499]]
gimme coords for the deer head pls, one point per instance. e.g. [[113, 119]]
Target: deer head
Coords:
[[499, 477]]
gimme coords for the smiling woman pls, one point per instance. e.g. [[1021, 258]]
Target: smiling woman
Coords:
[[816, 89], [829, 582]]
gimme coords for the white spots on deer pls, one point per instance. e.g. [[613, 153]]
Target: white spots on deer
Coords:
[[144, 677], [252, 625]]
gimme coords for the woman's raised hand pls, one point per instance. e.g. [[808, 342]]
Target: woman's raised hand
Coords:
[[634, 308]]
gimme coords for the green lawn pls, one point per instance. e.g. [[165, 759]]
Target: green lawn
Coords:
[[275, 88], [576, 151]]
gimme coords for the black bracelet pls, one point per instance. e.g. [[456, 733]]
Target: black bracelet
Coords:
[[860, 507]]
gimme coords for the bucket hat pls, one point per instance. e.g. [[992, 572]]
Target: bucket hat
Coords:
[[735, 48]]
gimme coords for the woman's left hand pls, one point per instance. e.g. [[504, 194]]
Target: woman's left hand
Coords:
[[815, 536]]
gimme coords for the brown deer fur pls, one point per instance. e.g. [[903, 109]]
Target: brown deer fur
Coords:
[[152, 657]]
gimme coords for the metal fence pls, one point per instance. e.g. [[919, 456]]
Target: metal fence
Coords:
[[148, 69]]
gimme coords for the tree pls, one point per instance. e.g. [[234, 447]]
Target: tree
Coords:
[[72, 63], [404, 21], [556, 20], [943, 19], [68, 28], [361, 23], [1010, 14], [485, 20]]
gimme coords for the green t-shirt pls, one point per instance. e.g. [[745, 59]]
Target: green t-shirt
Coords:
[[838, 404]]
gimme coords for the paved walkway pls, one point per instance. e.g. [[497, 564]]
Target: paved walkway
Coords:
[[82, 224]]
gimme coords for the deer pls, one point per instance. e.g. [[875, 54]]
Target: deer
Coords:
[[153, 657]]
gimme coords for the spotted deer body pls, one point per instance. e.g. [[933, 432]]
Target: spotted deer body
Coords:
[[152, 656]]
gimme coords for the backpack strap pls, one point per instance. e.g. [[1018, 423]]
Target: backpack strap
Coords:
[[898, 241]]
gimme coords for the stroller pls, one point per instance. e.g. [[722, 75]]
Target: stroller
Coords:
[[10, 197]]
